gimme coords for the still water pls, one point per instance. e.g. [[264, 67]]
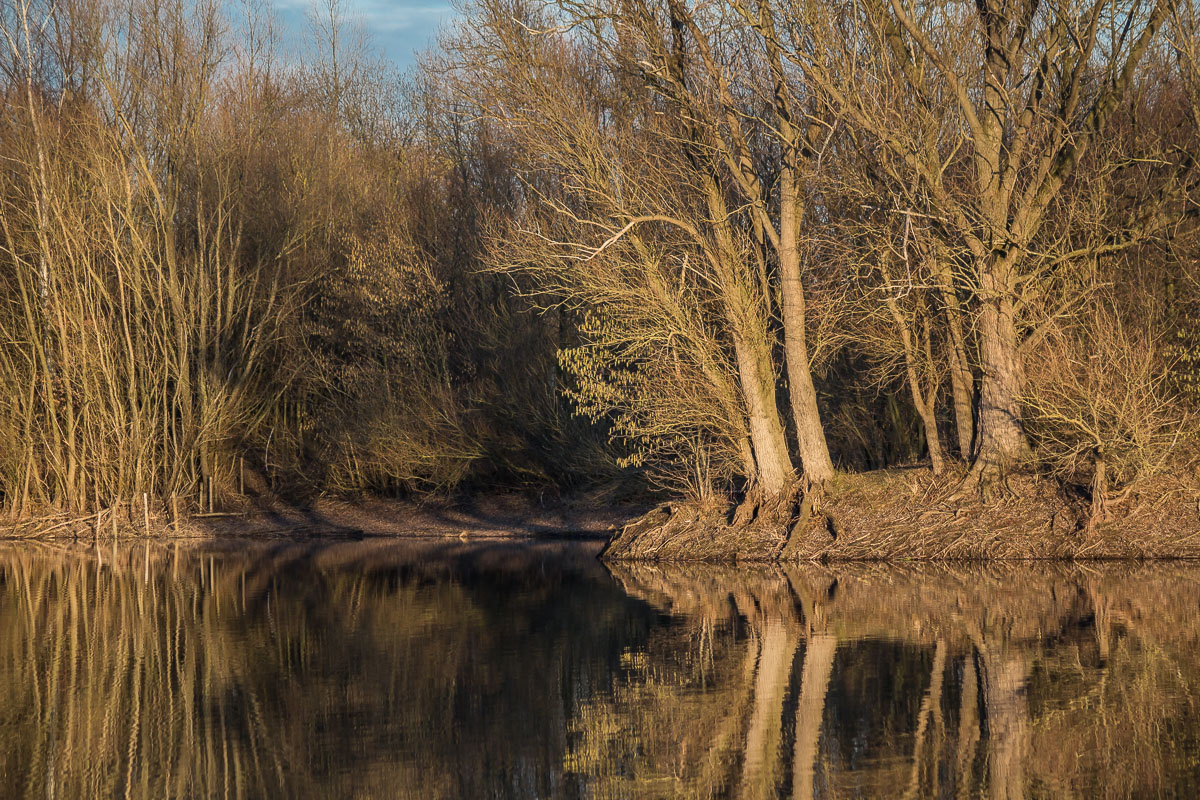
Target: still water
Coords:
[[436, 669]]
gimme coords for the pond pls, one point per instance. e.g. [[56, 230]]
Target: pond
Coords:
[[448, 669]]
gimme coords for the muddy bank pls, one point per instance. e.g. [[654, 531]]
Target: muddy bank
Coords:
[[487, 516], [909, 514]]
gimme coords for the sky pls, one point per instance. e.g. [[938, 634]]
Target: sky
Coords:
[[399, 28]]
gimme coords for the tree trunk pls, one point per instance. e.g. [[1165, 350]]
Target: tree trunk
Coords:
[[810, 434], [1002, 440], [1099, 508], [962, 382], [810, 711], [775, 476], [745, 313], [929, 413], [924, 401], [925, 410]]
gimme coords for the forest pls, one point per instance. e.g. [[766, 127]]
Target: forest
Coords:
[[739, 254]]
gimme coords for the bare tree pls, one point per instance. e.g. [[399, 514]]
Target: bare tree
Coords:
[[633, 213], [1019, 94]]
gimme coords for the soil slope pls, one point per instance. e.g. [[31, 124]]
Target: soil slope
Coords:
[[911, 514]]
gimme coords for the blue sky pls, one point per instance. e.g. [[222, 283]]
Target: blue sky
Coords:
[[399, 28]]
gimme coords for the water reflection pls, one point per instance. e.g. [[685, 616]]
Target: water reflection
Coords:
[[402, 669], [864, 681]]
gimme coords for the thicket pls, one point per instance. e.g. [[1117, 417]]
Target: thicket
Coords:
[[811, 233], [724, 247], [217, 261]]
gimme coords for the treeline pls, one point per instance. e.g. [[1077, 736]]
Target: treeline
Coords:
[[806, 233], [219, 257], [751, 241]]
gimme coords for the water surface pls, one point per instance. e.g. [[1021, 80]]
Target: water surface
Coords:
[[441, 669]]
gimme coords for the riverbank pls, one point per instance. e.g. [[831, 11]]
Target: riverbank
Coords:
[[487, 516], [904, 514], [910, 514]]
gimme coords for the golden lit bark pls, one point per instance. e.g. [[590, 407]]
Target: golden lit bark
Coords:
[[810, 435]]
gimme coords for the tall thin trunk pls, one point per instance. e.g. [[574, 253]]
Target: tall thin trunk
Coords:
[[962, 382], [42, 330], [810, 434], [929, 415], [752, 347], [924, 403], [924, 399], [41, 194], [743, 300], [767, 439]]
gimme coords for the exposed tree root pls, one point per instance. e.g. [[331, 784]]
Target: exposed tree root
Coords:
[[913, 514], [987, 481]]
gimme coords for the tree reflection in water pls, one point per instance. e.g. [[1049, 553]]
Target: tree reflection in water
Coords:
[[403, 669], [999, 682]]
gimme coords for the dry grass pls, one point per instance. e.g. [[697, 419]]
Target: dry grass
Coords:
[[909, 514]]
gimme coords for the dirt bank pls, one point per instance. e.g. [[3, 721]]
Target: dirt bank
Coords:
[[904, 514], [485, 516]]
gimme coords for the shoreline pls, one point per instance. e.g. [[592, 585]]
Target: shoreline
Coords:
[[486, 516], [909, 515], [899, 515]]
